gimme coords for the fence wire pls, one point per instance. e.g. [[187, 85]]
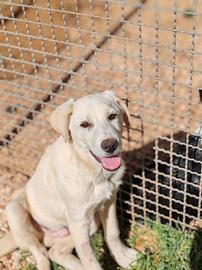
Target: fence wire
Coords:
[[149, 52]]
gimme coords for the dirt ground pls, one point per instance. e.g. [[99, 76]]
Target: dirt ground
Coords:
[[151, 66]]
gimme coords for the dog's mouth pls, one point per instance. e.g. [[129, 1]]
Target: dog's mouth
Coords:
[[109, 163]]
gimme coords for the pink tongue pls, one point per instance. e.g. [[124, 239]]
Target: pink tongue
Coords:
[[111, 163]]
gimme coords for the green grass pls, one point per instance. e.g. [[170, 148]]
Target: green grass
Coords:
[[174, 250], [162, 248]]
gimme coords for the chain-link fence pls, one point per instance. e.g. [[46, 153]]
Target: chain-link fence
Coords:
[[149, 52]]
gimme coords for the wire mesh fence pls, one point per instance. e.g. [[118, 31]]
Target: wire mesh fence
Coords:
[[149, 52]]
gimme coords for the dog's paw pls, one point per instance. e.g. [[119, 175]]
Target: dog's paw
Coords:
[[93, 267], [126, 257]]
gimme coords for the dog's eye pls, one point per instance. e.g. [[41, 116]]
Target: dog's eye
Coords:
[[85, 124], [112, 116]]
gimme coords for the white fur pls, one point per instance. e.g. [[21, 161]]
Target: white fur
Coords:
[[70, 188]]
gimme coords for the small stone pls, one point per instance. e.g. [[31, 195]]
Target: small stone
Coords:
[[189, 12]]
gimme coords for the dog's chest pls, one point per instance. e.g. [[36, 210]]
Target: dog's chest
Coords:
[[100, 192], [85, 192]]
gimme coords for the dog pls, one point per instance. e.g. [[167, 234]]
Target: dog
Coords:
[[74, 188]]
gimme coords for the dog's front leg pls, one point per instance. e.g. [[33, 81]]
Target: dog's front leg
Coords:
[[80, 231], [123, 255]]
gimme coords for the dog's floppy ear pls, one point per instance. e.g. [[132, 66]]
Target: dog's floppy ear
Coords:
[[123, 107], [60, 118]]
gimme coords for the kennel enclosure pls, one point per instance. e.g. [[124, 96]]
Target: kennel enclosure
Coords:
[[148, 52]]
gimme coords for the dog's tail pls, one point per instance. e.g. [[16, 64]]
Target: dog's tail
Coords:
[[7, 244]]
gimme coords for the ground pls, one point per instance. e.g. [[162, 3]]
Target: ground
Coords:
[[133, 52]]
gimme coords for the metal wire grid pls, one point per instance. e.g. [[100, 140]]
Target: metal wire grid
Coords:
[[103, 45]]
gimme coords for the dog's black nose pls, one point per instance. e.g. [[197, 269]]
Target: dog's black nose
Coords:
[[109, 145]]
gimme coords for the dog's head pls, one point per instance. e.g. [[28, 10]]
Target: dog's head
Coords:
[[94, 123]]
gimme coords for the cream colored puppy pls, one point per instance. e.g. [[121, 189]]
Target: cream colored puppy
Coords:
[[74, 188]]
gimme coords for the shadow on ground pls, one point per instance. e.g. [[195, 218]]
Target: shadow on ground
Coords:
[[163, 185]]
